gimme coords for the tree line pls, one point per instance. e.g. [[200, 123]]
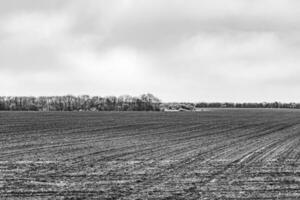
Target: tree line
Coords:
[[250, 105], [193, 106], [145, 102]]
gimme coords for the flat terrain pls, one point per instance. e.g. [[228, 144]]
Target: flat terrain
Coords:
[[220, 154]]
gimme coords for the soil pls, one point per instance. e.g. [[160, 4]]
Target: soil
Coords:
[[222, 154]]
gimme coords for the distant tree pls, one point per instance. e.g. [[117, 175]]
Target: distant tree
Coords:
[[145, 102], [201, 105], [124, 102]]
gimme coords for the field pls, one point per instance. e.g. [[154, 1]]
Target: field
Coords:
[[221, 154]]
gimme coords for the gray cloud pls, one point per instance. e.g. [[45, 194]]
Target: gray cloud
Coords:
[[16, 6], [154, 23]]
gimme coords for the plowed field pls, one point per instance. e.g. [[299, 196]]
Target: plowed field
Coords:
[[221, 154]]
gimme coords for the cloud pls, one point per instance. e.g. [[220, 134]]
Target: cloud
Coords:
[[150, 24], [32, 41], [16, 6], [235, 50]]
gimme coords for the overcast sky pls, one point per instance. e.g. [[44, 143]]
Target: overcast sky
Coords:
[[179, 50]]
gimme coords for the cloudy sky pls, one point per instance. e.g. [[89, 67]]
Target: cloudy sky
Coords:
[[179, 50]]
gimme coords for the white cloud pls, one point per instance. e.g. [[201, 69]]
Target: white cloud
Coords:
[[32, 41], [34, 27]]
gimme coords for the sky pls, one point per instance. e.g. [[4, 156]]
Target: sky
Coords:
[[178, 50]]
